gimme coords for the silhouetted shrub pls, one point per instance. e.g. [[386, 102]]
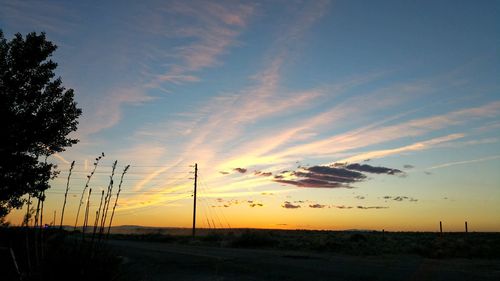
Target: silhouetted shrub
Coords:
[[212, 237], [251, 239], [357, 237]]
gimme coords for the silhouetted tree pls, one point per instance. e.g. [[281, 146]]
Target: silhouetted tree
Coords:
[[37, 114]]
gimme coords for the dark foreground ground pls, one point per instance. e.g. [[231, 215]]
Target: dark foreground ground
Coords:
[[165, 261], [247, 254]]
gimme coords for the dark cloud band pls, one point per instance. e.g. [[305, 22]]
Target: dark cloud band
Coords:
[[334, 176]]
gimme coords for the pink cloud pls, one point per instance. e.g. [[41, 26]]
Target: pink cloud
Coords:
[[408, 148], [108, 110], [214, 29], [377, 133]]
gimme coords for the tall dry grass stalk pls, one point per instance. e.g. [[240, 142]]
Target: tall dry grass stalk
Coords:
[[86, 216], [41, 209], [27, 221], [35, 230], [116, 200], [27, 216], [41, 242], [86, 186], [66, 195], [35, 222], [106, 201], [97, 217]]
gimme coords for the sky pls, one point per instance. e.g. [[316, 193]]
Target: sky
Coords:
[[299, 114]]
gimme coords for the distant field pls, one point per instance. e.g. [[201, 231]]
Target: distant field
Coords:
[[426, 244]]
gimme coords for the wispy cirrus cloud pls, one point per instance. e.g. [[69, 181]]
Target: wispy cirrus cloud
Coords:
[[378, 133], [44, 16], [213, 29], [107, 111], [359, 137], [141, 54], [60, 158], [449, 164], [407, 148], [270, 152], [230, 131], [302, 140], [223, 119]]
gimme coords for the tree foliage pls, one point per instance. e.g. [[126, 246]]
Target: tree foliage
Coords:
[[37, 115]]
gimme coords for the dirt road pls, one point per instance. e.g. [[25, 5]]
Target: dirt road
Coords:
[[161, 261]]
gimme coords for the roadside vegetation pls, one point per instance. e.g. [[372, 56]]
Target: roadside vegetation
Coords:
[[53, 254], [425, 244]]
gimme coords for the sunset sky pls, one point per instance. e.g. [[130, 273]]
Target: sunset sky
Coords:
[[300, 114]]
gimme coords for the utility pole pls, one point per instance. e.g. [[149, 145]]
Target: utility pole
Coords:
[[194, 202]]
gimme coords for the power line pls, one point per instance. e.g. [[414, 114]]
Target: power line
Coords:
[[123, 192], [194, 200], [171, 183], [132, 166], [214, 212], [209, 212], [203, 183], [132, 173], [134, 179], [147, 208], [207, 208]]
